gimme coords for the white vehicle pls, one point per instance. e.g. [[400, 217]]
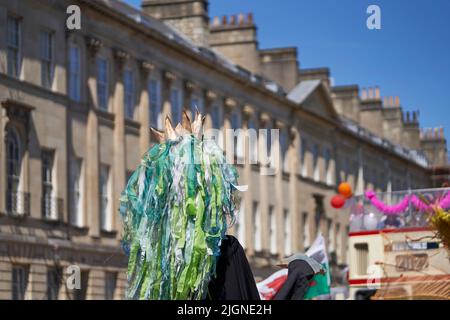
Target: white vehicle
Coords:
[[396, 255]]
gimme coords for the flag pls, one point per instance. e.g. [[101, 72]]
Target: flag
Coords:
[[269, 287], [320, 283]]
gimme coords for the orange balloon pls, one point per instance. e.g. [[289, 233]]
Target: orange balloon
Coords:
[[345, 189]]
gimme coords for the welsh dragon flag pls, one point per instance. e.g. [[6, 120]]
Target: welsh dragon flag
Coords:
[[320, 283]]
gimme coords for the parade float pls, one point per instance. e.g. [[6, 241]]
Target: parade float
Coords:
[[399, 244]]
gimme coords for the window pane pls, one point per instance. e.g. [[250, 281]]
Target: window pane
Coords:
[[13, 43], [128, 94], [19, 282], [74, 73], [102, 83], [54, 281], [110, 285], [105, 206], [272, 230], [257, 227], [46, 48], [154, 104], [175, 101], [76, 213], [48, 203]]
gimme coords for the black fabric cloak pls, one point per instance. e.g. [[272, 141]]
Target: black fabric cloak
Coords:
[[299, 275], [234, 279]]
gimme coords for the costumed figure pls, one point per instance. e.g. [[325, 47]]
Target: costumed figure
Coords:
[[176, 209]]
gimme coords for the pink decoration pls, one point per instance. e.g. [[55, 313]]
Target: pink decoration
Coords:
[[387, 209], [444, 203], [419, 204]]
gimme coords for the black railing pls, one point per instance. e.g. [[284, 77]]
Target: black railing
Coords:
[[52, 208], [18, 203]]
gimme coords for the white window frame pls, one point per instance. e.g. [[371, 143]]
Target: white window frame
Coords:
[[105, 198], [316, 160], [13, 171], [74, 72], [102, 83], [76, 192], [47, 57], [272, 230], [14, 49], [257, 245], [303, 164], [50, 205], [287, 232], [306, 230], [240, 225], [328, 171], [284, 149]]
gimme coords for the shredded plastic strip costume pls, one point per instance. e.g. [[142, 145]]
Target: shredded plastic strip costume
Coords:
[[176, 208]]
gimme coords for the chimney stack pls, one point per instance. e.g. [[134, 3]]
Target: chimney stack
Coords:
[[363, 94], [241, 19], [377, 92], [250, 18]]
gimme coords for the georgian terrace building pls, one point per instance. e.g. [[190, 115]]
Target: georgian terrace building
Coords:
[[76, 107]]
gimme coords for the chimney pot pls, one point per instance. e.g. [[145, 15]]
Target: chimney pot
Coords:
[[370, 92], [397, 101], [224, 20], [363, 94], [216, 21], [377, 92], [250, 18], [391, 101], [233, 20], [241, 19], [385, 101]]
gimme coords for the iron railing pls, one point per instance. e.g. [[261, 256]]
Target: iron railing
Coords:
[[52, 208], [18, 203]]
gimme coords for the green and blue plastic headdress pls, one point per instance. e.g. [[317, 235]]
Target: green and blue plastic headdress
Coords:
[[176, 208]]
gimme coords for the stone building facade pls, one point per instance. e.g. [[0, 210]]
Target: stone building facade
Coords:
[[76, 107]]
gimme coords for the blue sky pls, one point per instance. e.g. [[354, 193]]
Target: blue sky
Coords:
[[408, 57]]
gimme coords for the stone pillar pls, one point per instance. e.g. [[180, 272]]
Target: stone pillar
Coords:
[[118, 170], [189, 88], [264, 121], [211, 96], [166, 83], [293, 153], [91, 180], [229, 106], [279, 196], [360, 182], [2, 160], [248, 198], [144, 107]]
